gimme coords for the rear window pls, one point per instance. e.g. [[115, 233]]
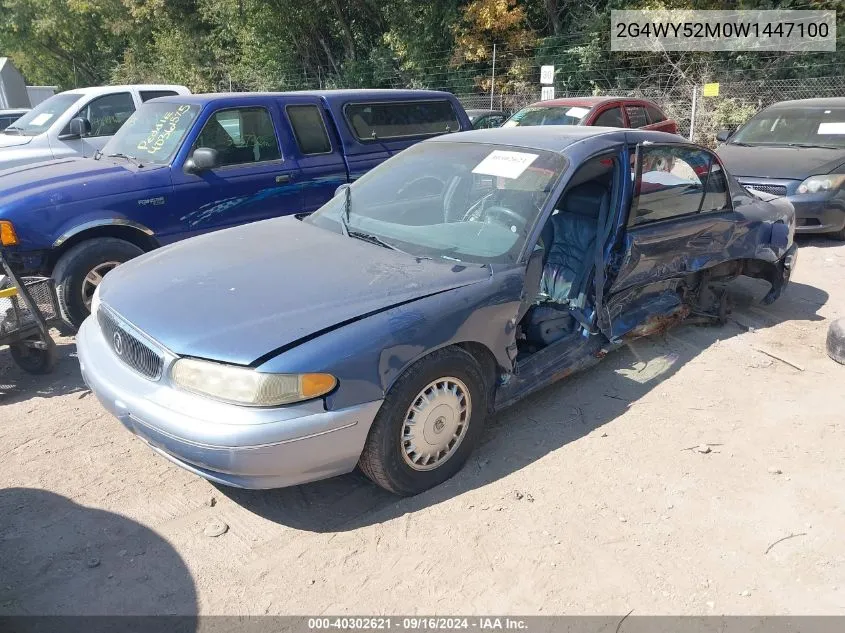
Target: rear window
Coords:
[[379, 121], [146, 95], [654, 114]]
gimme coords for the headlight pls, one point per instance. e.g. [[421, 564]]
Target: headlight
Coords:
[[827, 182], [242, 385], [95, 301]]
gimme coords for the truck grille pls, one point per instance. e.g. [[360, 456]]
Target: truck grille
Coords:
[[775, 190], [128, 348]]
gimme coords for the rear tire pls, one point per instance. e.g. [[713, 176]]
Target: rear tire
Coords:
[[428, 424], [80, 270], [836, 341], [839, 235]]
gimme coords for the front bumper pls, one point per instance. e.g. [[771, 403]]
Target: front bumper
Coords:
[[237, 446], [818, 213]]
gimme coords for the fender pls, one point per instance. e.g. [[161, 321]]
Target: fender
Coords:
[[85, 226]]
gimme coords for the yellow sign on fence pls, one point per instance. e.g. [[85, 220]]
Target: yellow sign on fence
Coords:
[[710, 90]]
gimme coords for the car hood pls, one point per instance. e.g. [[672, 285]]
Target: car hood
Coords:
[[240, 294], [67, 179], [796, 163], [13, 140]]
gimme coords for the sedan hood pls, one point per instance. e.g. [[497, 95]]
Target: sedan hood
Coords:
[[239, 294], [13, 140], [795, 163]]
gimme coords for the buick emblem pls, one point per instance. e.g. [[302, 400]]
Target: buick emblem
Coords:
[[117, 340]]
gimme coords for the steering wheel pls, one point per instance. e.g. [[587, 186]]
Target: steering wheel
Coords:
[[509, 216]]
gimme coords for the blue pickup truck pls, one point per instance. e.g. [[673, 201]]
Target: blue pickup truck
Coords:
[[188, 164]]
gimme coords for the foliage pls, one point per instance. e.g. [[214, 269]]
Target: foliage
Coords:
[[290, 44]]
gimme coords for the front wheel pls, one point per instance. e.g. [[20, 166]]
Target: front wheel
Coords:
[[428, 424], [79, 271]]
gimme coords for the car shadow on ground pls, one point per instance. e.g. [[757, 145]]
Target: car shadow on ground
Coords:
[[16, 385], [544, 422], [60, 558]]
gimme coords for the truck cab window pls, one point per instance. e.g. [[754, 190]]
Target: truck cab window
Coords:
[[240, 136], [309, 129]]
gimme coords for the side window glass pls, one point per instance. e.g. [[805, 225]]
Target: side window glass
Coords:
[[716, 196], [240, 136], [654, 115], [107, 113], [673, 183], [309, 129], [636, 116], [610, 118]]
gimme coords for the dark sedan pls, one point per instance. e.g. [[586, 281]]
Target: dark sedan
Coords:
[[451, 281], [795, 149]]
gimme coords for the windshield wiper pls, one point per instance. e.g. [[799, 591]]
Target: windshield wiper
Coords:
[[131, 159], [813, 145], [375, 239], [13, 128], [344, 215]]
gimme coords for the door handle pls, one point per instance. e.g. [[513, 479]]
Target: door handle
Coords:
[[282, 178]]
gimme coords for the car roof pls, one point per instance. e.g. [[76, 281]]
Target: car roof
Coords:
[[477, 112], [328, 95], [553, 138], [590, 102], [819, 101], [96, 90]]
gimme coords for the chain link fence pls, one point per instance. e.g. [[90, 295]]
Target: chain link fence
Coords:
[[736, 103]]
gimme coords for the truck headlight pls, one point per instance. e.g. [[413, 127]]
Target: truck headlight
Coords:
[[246, 386], [826, 182]]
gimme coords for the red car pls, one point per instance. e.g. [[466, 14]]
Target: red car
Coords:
[[600, 111]]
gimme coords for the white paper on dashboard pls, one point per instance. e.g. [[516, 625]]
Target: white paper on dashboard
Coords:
[[577, 113], [505, 164], [832, 127], [41, 119]]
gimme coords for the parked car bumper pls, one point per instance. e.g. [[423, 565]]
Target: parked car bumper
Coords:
[[236, 446], [819, 212]]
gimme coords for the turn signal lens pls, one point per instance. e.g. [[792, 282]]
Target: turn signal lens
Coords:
[[313, 385], [8, 237]]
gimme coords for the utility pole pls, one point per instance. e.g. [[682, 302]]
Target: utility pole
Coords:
[[493, 78]]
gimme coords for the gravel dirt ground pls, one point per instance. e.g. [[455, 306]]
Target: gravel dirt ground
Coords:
[[663, 480]]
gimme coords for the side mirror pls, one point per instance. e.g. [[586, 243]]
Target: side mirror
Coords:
[[341, 189], [723, 135], [203, 159], [79, 127]]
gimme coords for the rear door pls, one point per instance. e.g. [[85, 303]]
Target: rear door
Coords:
[[253, 181], [317, 148], [658, 121], [680, 221]]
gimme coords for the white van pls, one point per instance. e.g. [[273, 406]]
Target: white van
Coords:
[[44, 133]]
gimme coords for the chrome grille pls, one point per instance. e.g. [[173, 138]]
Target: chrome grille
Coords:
[[775, 190], [128, 347]]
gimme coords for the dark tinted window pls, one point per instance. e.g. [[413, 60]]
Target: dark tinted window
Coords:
[[146, 95], [371, 121], [106, 113], [716, 196], [654, 115], [673, 183], [636, 116], [309, 129], [6, 121], [240, 135], [610, 118]]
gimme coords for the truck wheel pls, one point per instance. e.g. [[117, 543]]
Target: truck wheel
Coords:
[[79, 271], [836, 341], [35, 360], [428, 424]]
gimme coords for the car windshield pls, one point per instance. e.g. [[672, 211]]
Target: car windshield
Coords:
[[154, 132], [807, 126], [42, 116], [468, 202], [548, 115]]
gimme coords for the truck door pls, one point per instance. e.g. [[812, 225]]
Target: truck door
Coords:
[[317, 148], [252, 179]]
